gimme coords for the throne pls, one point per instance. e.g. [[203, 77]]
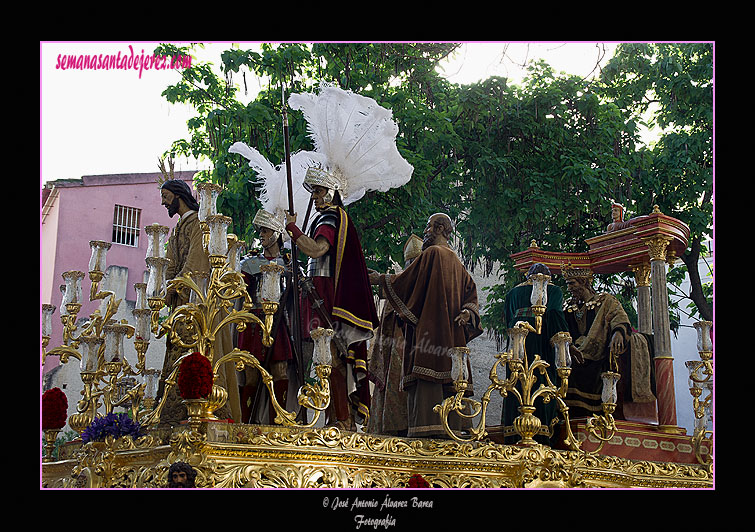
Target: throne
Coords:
[[642, 245]]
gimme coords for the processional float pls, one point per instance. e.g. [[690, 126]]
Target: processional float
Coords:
[[296, 453]]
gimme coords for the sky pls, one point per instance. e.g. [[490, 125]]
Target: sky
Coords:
[[95, 122]]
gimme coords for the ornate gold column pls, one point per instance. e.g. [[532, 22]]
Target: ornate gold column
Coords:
[[644, 305], [664, 362]]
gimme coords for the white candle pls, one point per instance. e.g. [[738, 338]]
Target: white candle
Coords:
[[560, 342], [271, 289], [609, 394], [208, 195], [114, 335], [90, 347], [156, 280], [321, 338], [98, 259], [73, 287], [141, 296], [517, 336], [156, 237], [47, 311], [218, 234], [151, 380], [704, 342], [459, 358], [539, 289]]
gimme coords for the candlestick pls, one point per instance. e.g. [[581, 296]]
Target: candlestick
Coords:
[[157, 235], [218, 225], [539, 294], [97, 261], [72, 292], [321, 354], [47, 312], [114, 335], [560, 342], [156, 281], [208, 195], [90, 348], [271, 290]]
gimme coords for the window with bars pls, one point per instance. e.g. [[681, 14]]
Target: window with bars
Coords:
[[126, 222]]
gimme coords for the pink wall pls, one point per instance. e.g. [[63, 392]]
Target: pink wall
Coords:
[[83, 211]]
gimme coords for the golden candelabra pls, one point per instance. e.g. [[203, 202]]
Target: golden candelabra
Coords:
[[519, 379], [700, 382], [99, 346]]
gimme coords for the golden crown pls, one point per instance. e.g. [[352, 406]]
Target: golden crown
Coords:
[[570, 272]]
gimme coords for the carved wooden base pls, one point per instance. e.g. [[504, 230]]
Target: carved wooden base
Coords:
[[255, 456]]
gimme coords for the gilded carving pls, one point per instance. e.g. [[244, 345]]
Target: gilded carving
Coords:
[[657, 246], [642, 274]]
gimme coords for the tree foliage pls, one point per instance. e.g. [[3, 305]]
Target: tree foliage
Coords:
[[672, 85], [510, 164]]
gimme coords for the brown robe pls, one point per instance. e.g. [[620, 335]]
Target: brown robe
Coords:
[[427, 296], [186, 253], [591, 327], [388, 402]]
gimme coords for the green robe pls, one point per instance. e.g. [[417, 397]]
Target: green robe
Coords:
[[517, 307]]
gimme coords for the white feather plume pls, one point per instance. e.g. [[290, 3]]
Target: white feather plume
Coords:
[[357, 136], [273, 179]]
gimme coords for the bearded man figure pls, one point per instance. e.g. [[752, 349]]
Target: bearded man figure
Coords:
[[185, 250], [436, 300], [603, 340], [181, 475]]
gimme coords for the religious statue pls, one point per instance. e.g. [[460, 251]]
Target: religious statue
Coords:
[[388, 409], [181, 475], [436, 300], [186, 253], [517, 307], [358, 139], [603, 340], [281, 359], [277, 357]]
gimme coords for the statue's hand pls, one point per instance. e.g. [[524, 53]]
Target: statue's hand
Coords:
[[290, 218], [463, 318], [576, 354], [617, 343]]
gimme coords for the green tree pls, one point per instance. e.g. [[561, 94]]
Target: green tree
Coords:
[[542, 160], [671, 86], [509, 163]]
